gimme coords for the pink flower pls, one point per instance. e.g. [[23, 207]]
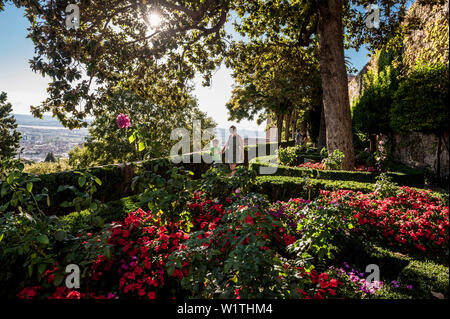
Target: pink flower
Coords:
[[123, 121]]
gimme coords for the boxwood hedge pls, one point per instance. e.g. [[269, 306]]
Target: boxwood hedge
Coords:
[[411, 177], [285, 187]]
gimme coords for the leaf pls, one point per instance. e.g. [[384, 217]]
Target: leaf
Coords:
[[60, 235], [97, 221], [350, 226], [1, 237], [29, 187], [41, 269], [132, 138], [438, 295], [81, 181], [43, 239], [107, 252], [93, 206], [98, 181], [58, 279], [141, 146]]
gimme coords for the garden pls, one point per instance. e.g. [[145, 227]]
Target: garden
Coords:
[[345, 197], [182, 236]]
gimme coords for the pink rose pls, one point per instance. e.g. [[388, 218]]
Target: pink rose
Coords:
[[123, 121]]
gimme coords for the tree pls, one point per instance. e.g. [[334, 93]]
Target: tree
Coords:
[[9, 136], [107, 144], [421, 103], [371, 111], [114, 46], [50, 158], [307, 20], [273, 80]]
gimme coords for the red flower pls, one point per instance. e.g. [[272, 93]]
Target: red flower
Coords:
[[249, 220]]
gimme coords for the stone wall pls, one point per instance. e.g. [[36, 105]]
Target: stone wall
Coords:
[[430, 44], [420, 150]]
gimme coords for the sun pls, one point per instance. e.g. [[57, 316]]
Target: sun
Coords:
[[154, 20]]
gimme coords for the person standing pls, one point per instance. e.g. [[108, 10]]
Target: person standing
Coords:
[[298, 137], [234, 149], [215, 152]]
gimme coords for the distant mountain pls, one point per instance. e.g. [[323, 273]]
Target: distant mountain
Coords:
[[28, 119]]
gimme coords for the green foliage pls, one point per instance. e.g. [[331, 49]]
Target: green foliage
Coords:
[[217, 182], [84, 195], [16, 193], [9, 136], [272, 80], [296, 155], [318, 228], [334, 160], [221, 272], [400, 174], [157, 67], [150, 130], [165, 195], [50, 158], [285, 187], [291, 156], [421, 103], [46, 168], [371, 111], [385, 187]]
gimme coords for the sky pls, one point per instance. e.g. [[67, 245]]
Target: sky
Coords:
[[25, 88]]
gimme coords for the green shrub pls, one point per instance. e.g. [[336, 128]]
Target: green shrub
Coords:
[[421, 103], [296, 155], [285, 187], [408, 176], [216, 182], [290, 155], [47, 167], [385, 187], [334, 160]]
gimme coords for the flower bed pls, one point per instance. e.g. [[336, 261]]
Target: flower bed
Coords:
[[414, 220], [205, 253], [143, 258]]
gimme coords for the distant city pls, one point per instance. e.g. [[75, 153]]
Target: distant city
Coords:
[[40, 137]]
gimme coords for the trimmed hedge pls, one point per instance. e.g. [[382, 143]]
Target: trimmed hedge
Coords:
[[413, 177], [113, 211], [116, 181], [252, 151], [285, 187], [116, 178]]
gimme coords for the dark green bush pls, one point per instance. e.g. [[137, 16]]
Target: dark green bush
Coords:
[[409, 176], [285, 187], [421, 103]]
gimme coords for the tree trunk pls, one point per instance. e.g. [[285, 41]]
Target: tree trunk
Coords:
[[279, 128], [287, 128], [294, 123], [334, 81], [322, 142], [438, 164], [373, 143]]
